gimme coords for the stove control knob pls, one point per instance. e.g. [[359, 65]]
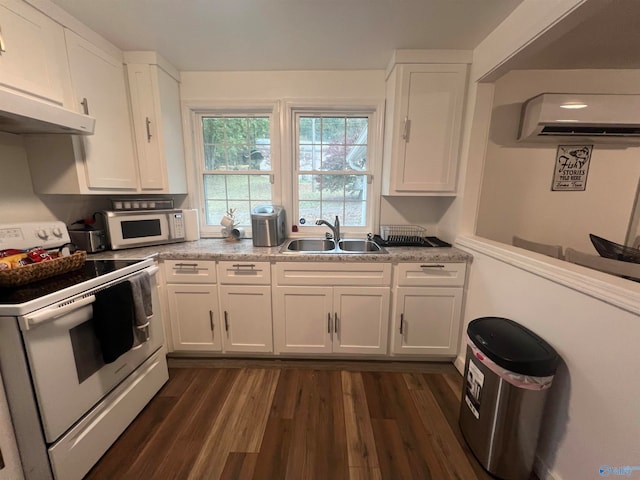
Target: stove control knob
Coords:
[[42, 234], [57, 232]]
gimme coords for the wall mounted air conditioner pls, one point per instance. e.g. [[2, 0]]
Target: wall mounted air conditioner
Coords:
[[595, 118]]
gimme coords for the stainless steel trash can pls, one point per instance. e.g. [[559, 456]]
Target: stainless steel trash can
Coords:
[[508, 373]]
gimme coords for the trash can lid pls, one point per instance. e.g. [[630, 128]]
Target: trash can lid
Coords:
[[513, 346]]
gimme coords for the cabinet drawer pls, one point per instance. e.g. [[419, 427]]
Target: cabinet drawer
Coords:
[[254, 273], [430, 273], [190, 271], [321, 273]]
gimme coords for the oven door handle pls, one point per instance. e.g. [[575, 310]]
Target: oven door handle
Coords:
[[49, 314]]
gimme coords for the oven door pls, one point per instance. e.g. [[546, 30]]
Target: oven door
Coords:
[[65, 359]]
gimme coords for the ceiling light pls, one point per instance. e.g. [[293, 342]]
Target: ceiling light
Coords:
[[573, 105]]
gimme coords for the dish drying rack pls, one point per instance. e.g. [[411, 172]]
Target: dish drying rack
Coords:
[[407, 236]]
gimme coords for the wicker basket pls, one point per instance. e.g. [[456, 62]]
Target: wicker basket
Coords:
[[39, 271]]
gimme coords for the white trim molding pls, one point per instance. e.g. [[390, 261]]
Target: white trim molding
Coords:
[[619, 292]]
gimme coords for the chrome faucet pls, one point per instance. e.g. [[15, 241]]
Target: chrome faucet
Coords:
[[335, 228]]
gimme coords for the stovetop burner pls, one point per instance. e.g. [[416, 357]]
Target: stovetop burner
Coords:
[[90, 270]]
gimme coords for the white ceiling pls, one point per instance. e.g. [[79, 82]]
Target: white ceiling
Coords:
[[200, 35]]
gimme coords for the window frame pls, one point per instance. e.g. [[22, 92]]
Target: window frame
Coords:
[[374, 111], [197, 112]]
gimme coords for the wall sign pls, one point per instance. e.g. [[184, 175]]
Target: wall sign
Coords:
[[572, 167]]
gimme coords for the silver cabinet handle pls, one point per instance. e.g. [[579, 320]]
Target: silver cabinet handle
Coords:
[[432, 266], [85, 105], [226, 321], [401, 323], [405, 129], [2, 45], [329, 322], [185, 265], [335, 322], [211, 320], [148, 130], [238, 266]]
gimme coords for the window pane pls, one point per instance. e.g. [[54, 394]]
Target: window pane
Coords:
[[213, 130], [215, 187], [356, 158], [325, 196], [333, 130], [333, 157], [236, 130], [309, 130], [214, 211], [260, 188], [237, 187], [309, 212], [355, 213], [259, 129], [242, 212], [357, 130]]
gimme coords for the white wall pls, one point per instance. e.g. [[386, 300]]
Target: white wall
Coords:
[[516, 196], [591, 417]]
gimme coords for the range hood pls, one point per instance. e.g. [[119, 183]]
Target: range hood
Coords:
[[22, 114], [597, 118]]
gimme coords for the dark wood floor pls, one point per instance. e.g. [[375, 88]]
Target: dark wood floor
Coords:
[[297, 420]]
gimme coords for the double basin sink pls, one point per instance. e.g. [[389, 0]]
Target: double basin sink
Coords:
[[322, 245]]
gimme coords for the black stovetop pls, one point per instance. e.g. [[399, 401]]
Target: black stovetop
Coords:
[[90, 270]]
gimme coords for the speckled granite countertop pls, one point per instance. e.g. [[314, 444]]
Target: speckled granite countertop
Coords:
[[243, 250]]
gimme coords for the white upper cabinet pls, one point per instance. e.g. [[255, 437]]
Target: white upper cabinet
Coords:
[[32, 57], [101, 163], [155, 103], [423, 127], [99, 87]]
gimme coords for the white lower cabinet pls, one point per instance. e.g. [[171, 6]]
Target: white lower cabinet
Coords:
[[315, 308], [192, 298], [192, 312], [245, 306], [427, 309], [312, 317]]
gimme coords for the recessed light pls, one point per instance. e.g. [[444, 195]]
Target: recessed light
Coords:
[[574, 106]]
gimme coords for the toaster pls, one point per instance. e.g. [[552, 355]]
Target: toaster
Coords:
[[88, 240]]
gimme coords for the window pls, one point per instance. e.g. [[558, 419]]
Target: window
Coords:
[[332, 168], [331, 164], [235, 165]]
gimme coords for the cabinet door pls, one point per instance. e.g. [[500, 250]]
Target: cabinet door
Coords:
[[33, 51], [246, 318], [361, 320], [302, 319], [98, 81], [145, 126], [193, 311], [426, 321], [427, 129]]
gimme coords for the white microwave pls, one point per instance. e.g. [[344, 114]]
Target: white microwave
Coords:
[[140, 228]]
